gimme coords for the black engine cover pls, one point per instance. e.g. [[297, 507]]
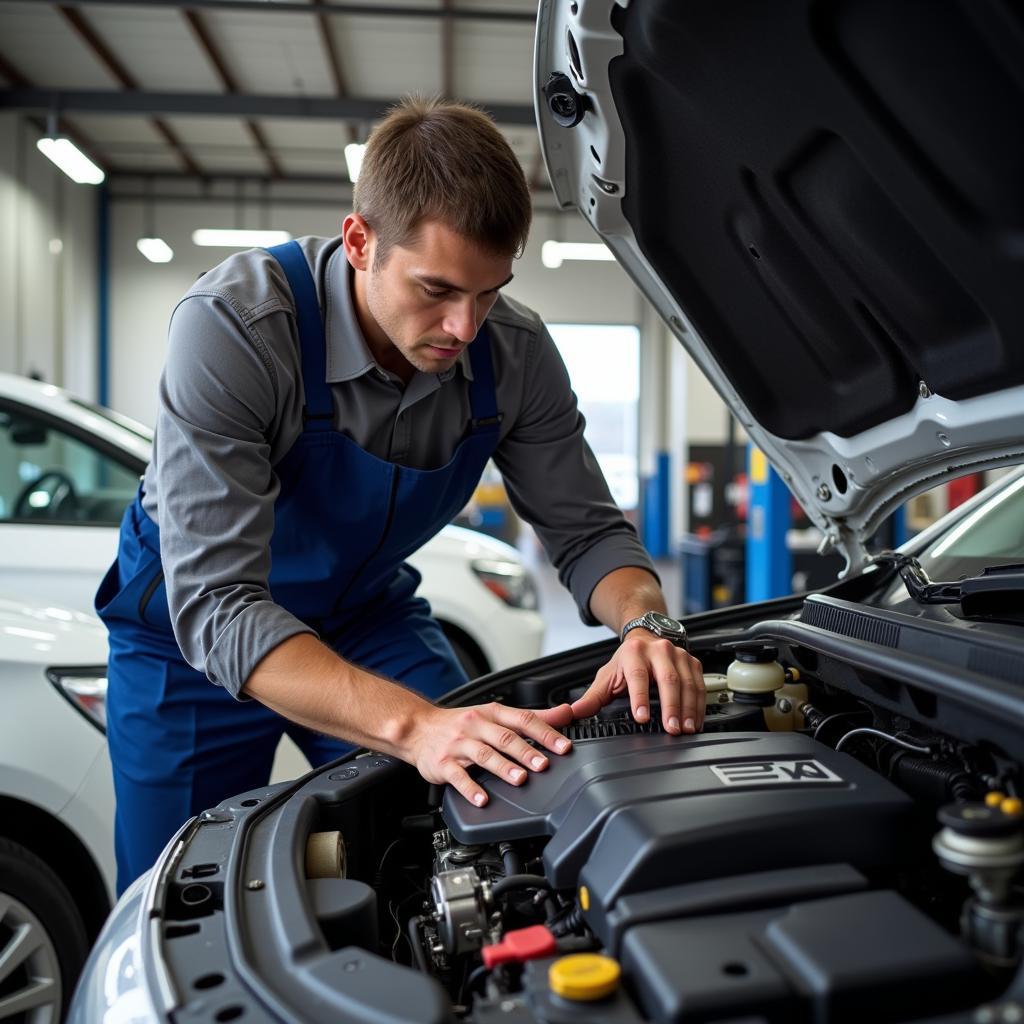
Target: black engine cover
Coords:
[[632, 813]]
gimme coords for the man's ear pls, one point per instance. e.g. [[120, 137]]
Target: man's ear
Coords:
[[359, 241]]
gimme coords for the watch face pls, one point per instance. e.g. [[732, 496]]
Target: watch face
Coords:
[[664, 622]]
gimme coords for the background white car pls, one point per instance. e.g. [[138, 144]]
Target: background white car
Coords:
[[68, 469], [56, 804]]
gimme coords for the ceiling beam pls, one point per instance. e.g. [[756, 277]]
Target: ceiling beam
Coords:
[[12, 74], [77, 20], [327, 41], [211, 50], [298, 189], [384, 10], [79, 138], [323, 24], [110, 101], [342, 198]]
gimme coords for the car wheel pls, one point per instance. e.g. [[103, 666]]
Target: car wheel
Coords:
[[472, 661], [43, 942]]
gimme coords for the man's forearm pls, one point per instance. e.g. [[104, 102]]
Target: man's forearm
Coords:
[[625, 594], [308, 683]]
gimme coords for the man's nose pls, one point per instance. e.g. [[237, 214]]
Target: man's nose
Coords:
[[461, 322]]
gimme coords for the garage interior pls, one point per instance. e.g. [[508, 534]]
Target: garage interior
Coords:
[[197, 115], [206, 126]]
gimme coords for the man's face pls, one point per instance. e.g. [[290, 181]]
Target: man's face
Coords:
[[429, 298]]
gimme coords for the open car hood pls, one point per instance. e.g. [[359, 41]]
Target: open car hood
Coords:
[[825, 203]]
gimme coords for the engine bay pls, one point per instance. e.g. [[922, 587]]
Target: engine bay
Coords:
[[816, 853]]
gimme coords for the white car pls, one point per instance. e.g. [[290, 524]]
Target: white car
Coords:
[[56, 804], [68, 468]]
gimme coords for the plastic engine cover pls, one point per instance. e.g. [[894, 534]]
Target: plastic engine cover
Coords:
[[633, 813]]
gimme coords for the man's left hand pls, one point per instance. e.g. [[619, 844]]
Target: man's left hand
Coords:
[[643, 658]]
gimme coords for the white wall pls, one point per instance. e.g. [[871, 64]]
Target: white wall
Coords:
[[48, 311]]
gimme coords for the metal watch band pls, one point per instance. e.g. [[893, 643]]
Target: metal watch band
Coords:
[[638, 623], [649, 621]]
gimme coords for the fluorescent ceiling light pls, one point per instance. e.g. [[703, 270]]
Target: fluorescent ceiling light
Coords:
[[71, 160], [156, 250], [229, 238], [554, 254], [354, 158]]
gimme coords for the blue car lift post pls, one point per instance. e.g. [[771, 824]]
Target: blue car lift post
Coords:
[[769, 563]]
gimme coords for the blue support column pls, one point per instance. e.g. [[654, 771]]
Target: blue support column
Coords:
[[655, 507], [900, 533], [103, 294], [769, 564]]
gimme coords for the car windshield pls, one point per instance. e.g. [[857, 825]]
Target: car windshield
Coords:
[[993, 534]]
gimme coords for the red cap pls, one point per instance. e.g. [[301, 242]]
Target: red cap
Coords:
[[519, 946]]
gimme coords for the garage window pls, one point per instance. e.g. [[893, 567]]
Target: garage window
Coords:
[[603, 361]]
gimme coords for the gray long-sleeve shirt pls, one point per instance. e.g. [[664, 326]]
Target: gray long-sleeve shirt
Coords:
[[230, 408]]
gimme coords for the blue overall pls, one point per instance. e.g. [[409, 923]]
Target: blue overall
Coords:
[[344, 523]]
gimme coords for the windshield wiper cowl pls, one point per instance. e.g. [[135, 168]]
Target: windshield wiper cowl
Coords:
[[996, 594]]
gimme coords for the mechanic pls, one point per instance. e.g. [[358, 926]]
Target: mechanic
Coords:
[[326, 407]]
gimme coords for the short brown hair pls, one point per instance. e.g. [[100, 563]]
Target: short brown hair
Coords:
[[430, 159]]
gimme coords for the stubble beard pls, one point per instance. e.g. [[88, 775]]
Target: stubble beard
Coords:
[[417, 353]]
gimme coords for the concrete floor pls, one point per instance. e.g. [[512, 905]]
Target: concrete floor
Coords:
[[564, 630]]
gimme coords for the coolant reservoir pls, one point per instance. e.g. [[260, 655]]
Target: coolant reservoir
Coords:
[[756, 674], [756, 677]]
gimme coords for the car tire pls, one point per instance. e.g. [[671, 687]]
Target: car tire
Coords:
[[473, 662], [32, 897]]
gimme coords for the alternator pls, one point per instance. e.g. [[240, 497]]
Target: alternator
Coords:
[[462, 902]]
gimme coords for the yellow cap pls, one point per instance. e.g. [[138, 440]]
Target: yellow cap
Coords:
[[994, 798], [583, 977], [584, 897], [1012, 806]]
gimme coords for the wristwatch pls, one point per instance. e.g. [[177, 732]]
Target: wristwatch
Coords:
[[659, 625]]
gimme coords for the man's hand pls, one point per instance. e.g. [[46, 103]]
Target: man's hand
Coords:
[[641, 658], [446, 741], [343, 700]]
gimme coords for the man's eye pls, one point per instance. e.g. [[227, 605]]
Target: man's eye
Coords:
[[433, 294]]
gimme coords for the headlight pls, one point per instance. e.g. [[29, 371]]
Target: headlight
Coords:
[[86, 689], [112, 988], [508, 581]]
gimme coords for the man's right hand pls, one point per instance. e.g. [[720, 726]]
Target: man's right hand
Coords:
[[446, 741], [343, 700]]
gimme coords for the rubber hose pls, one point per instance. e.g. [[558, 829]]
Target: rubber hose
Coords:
[[510, 883], [416, 942], [509, 857], [955, 780]]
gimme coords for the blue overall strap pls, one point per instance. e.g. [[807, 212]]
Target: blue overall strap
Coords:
[[319, 409], [483, 400]]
